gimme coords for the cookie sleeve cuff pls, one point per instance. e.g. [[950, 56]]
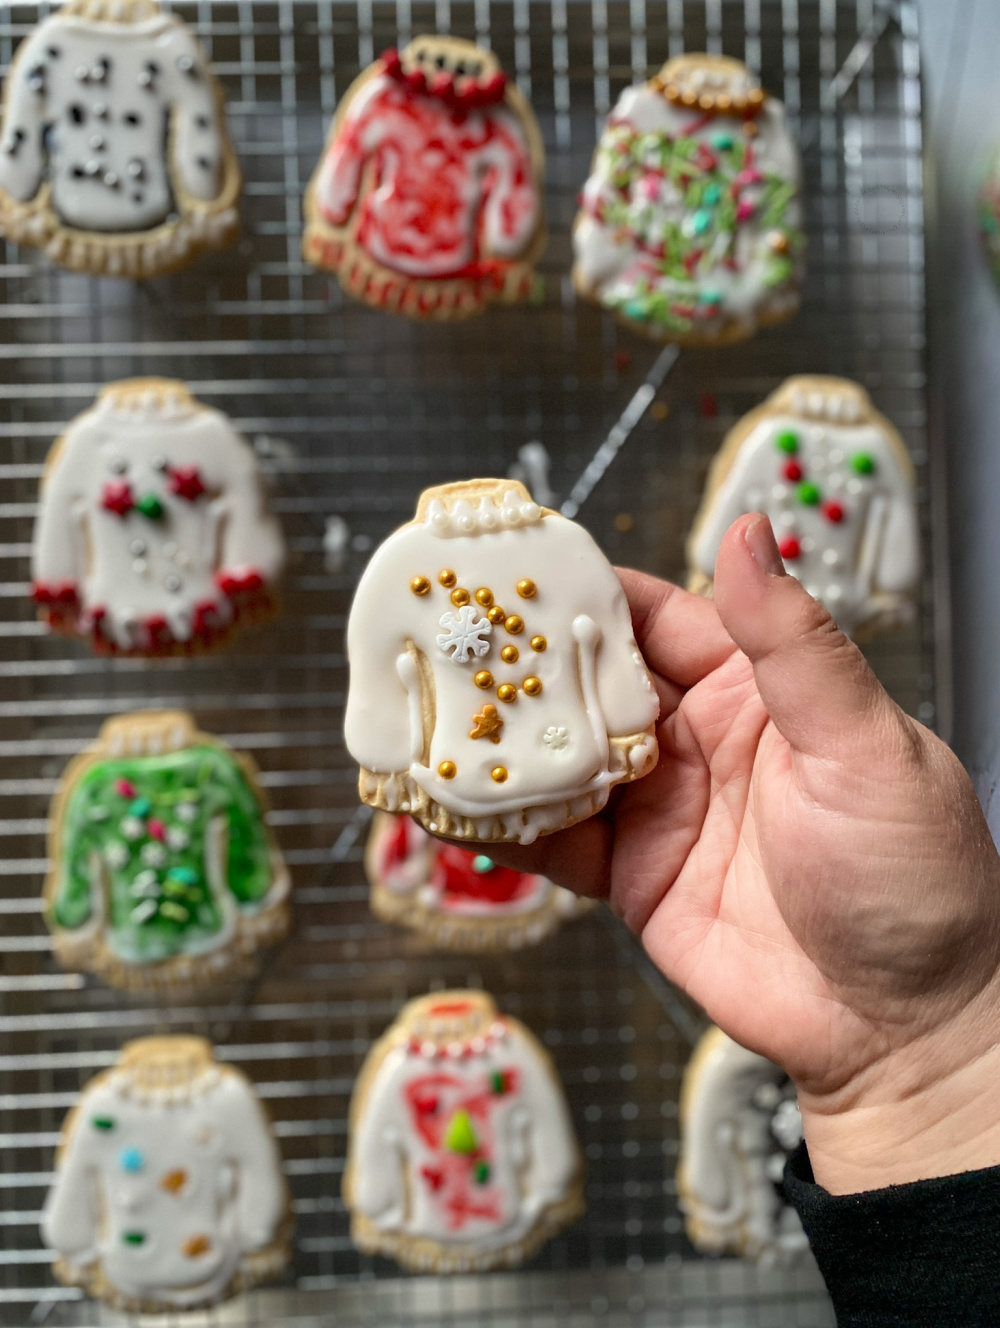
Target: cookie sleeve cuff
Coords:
[[910, 1256]]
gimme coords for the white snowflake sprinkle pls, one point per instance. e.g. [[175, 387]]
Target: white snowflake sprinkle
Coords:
[[146, 885], [153, 854], [116, 855], [177, 838], [556, 737], [186, 811], [132, 828], [465, 634]]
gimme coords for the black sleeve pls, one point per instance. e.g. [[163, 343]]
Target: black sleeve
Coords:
[[925, 1255]]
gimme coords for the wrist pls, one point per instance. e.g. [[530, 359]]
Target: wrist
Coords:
[[903, 1130]]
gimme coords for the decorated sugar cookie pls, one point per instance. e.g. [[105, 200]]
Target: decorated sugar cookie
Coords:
[[427, 200], [169, 1193], [739, 1123], [496, 691], [837, 482], [163, 873], [462, 1155], [457, 898], [114, 154], [690, 221], [154, 535], [989, 213]]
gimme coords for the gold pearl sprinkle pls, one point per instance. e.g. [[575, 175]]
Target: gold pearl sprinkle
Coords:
[[460, 597], [447, 769], [527, 589], [689, 98], [756, 97], [707, 101], [739, 102], [778, 242], [420, 585], [499, 774], [447, 578], [514, 624], [723, 101], [673, 92], [484, 597], [506, 692], [538, 643], [484, 679], [532, 686], [510, 654], [496, 615]]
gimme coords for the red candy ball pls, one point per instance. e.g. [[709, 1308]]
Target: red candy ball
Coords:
[[792, 471], [833, 511], [790, 547]]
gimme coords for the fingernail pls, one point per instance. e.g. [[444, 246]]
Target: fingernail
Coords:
[[760, 539]]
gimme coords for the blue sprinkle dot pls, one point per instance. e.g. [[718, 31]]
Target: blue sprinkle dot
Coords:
[[187, 875], [140, 808], [701, 221], [723, 142], [132, 1159], [712, 194], [481, 863]]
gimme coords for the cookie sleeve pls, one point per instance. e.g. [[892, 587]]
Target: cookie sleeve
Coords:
[[339, 181], [377, 1163], [552, 1160], [57, 549], [262, 1201], [899, 556], [248, 874], [72, 901], [197, 135], [22, 151], [920, 1255], [251, 541], [71, 1220], [510, 217]]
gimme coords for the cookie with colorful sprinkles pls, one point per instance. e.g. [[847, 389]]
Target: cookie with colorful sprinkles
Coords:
[[690, 223], [114, 153], [456, 898], [154, 533], [462, 1155], [169, 1193], [496, 688], [835, 479], [164, 875], [427, 200]]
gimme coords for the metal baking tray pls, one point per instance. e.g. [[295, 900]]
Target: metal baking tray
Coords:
[[352, 413]]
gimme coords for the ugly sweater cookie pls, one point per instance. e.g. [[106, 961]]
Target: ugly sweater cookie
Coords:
[[740, 1122], [690, 221], [114, 154], [153, 535], [462, 1155], [169, 1193], [164, 874], [457, 898], [496, 689], [835, 478], [427, 200]]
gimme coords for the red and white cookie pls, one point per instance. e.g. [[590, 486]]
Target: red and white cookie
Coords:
[[462, 1155], [458, 898], [154, 535], [427, 200]]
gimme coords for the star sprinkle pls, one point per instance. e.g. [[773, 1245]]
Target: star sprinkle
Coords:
[[186, 483]]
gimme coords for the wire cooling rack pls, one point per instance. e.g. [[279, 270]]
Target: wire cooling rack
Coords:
[[352, 414]]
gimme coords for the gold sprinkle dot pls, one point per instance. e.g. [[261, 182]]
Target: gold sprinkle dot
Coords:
[[484, 597], [707, 101], [484, 679], [447, 578], [723, 101], [460, 597], [532, 686], [624, 522], [447, 770], [527, 589], [659, 410], [496, 615], [756, 97], [778, 241], [507, 692], [689, 98], [420, 585], [514, 624], [538, 643], [509, 654], [673, 92], [740, 102], [499, 774]]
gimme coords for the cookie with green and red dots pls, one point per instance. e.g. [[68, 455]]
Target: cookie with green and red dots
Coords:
[[690, 222], [164, 874], [837, 482]]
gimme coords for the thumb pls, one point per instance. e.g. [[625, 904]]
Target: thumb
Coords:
[[814, 682]]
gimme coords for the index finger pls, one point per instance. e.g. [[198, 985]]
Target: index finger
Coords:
[[680, 635]]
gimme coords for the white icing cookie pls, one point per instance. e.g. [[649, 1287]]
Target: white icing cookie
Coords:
[[427, 200], [739, 1123], [461, 1155], [459, 899], [164, 875], [838, 485], [690, 221], [154, 535], [169, 1192], [497, 691], [114, 154]]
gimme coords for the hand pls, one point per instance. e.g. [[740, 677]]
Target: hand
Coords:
[[813, 867]]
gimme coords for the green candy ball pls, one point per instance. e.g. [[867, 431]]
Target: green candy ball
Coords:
[[787, 442], [808, 494]]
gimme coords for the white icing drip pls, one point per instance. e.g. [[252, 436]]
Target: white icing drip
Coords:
[[232, 1193]]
